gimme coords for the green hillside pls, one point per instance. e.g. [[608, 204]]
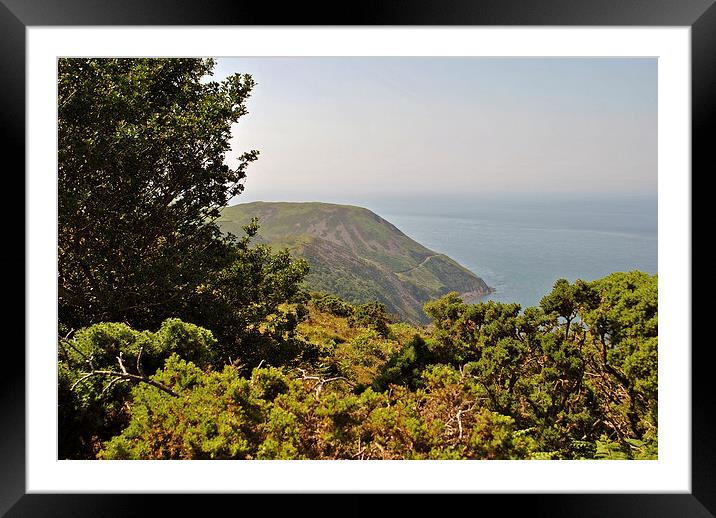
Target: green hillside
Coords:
[[357, 255]]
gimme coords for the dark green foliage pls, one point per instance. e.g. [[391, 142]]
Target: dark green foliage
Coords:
[[141, 172], [371, 315], [561, 302], [624, 326], [463, 330], [591, 379], [332, 304], [405, 367], [245, 305]]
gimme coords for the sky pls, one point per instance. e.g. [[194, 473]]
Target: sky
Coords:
[[389, 126]]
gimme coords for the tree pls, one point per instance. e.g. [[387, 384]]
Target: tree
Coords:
[[244, 304], [561, 301], [141, 175], [405, 366], [463, 330], [624, 326]]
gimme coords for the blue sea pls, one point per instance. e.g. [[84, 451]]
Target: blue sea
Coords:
[[520, 245]]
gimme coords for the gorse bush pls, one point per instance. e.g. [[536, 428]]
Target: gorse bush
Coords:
[[484, 382], [372, 315], [331, 304], [94, 407]]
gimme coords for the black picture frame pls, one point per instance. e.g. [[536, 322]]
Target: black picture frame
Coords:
[[700, 15]]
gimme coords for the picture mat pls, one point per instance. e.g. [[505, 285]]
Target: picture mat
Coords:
[[670, 473]]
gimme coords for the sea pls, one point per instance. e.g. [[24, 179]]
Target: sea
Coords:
[[520, 245]]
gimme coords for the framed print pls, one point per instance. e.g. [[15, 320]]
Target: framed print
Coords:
[[379, 352]]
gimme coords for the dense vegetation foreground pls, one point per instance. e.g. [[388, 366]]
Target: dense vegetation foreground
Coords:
[[177, 341], [483, 382]]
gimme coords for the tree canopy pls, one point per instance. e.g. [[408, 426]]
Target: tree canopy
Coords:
[[141, 174]]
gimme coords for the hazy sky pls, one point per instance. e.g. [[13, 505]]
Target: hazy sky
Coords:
[[447, 125]]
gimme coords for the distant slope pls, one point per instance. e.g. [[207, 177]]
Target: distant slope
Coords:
[[357, 255]]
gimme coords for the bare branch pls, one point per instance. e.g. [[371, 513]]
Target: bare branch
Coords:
[[89, 374], [459, 424], [127, 376], [139, 358], [121, 364], [320, 382], [111, 383], [359, 453]]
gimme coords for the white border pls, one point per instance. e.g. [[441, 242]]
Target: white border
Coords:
[[672, 472]]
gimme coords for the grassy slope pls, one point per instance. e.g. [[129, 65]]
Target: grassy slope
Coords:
[[356, 254]]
